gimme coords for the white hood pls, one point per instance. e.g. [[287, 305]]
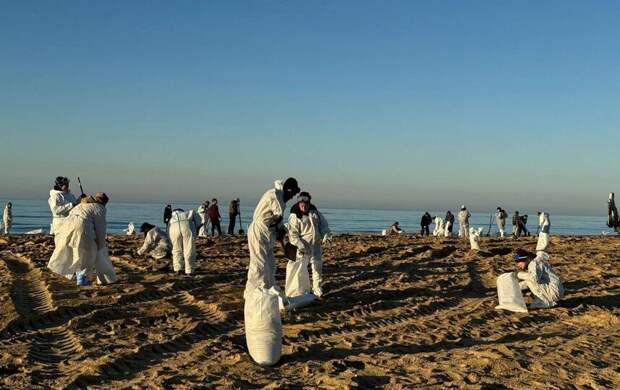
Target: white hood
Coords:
[[278, 185]]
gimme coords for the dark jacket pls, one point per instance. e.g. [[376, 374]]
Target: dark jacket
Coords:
[[426, 219], [233, 208], [214, 212]]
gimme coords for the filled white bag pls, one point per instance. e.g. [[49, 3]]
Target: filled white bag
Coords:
[[446, 230], [297, 277], [509, 293], [543, 242], [384, 232], [474, 238], [439, 227], [104, 267], [35, 231], [291, 303], [131, 229], [263, 327]]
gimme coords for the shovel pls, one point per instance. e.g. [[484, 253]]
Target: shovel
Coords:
[[241, 231]]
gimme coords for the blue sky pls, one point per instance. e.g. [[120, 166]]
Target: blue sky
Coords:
[[407, 105]]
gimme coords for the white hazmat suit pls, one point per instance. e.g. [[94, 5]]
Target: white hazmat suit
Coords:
[[262, 239], [7, 219], [500, 220], [182, 230], [78, 239], [464, 223], [60, 204], [204, 221], [156, 244], [543, 235], [542, 281], [306, 232]]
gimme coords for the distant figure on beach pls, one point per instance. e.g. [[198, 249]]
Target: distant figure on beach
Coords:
[[394, 229], [500, 219], [516, 232], [61, 201], [7, 218], [523, 225], [233, 212], [79, 239], [182, 233], [544, 225], [425, 222], [613, 220], [449, 224], [440, 227], [215, 218], [537, 275], [307, 229], [266, 229], [156, 242], [464, 216], [167, 214], [204, 219]]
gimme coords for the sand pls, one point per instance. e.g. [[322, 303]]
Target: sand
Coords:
[[400, 312]]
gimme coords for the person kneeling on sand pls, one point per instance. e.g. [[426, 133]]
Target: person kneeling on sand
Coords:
[[395, 229], [307, 228], [79, 239], [156, 242], [537, 275]]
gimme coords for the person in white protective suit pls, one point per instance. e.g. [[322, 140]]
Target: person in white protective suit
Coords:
[[182, 232], [204, 221], [7, 217], [537, 275], [265, 230], [464, 215], [500, 220], [79, 238], [544, 224], [156, 242], [307, 229], [439, 227], [61, 201]]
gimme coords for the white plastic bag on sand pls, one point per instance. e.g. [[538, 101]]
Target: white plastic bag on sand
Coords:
[[297, 277], [131, 229], [104, 267], [474, 238], [290, 303], [509, 293], [263, 327], [384, 232], [543, 242], [439, 227]]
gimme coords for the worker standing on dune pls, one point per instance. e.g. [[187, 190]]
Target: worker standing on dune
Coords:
[[265, 230], [307, 229], [61, 201], [449, 224], [7, 218], [425, 222], [500, 219], [464, 215], [215, 217], [233, 212], [182, 231], [79, 238]]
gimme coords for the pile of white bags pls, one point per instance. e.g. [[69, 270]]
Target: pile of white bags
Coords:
[[474, 238], [263, 327], [297, 277], [509, 293], [131, 229]]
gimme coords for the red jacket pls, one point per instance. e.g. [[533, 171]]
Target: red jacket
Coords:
[[214, 212]]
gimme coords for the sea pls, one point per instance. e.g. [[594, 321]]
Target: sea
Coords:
[[29, 215]]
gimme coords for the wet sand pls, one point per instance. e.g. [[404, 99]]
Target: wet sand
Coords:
[[399, 312]]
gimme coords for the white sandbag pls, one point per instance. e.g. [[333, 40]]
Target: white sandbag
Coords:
[[384, 232], [474, 238], [439, 227], [543, 242], [263, 327], [131, 229], [446, 230], [509, 293], [104, 267], [297, 277]]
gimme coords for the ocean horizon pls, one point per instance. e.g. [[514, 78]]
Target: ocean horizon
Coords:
[[31, 214]]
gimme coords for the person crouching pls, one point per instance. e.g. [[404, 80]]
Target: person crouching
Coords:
[[156, 242], [182, 230], [79, 239], [538, 276]]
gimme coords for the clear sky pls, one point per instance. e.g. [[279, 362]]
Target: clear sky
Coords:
[[381, 104]]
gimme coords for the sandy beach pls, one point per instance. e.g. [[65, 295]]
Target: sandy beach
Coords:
[[399, 312]]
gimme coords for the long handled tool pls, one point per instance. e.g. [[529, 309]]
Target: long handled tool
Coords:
[[81, 189], [490, 222], [241, 231]]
